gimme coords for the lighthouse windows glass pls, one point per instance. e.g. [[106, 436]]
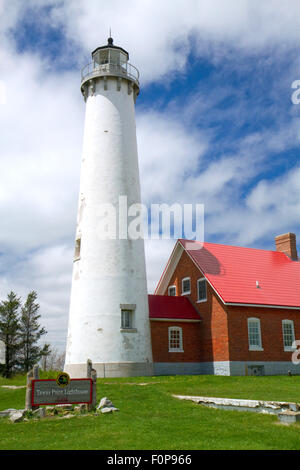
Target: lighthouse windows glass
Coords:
[[77, 249], [126, 319]]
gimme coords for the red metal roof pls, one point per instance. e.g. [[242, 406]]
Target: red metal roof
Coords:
[[163, 306], [233, 271]]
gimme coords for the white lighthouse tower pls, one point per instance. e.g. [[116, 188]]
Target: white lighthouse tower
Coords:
[[109, 318]]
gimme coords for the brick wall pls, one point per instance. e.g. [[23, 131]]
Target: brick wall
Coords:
[[286, 243], [271, 333], [160, 342]]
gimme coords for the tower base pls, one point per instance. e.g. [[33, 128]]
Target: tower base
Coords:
[[111, 369]]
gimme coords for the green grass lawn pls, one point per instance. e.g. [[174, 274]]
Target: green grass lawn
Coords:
[[151, 419]]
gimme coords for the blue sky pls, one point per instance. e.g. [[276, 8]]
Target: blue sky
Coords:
[[215, 125]]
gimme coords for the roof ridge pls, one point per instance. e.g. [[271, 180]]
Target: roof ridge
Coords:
[[232, 246]]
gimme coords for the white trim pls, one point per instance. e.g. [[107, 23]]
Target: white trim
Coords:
[[261, 305], [178, 329], [288, 322], [172, 287], [182, 281], [181, 320]]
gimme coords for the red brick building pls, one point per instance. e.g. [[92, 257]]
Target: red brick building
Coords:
[[227, 310]]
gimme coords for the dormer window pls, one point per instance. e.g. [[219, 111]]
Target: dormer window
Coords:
[[186, 286], [201, 290], [172, 290]]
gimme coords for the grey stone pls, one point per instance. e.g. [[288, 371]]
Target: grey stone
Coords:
[[109, 409], [6, 413], [67, 416], [17, 416], [269, 407], [294, 406], [104, 402], [289, 417], [65, 407], [106, 410], [39, 413]]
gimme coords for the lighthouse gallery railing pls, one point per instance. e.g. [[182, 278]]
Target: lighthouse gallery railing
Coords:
[[94, 69]]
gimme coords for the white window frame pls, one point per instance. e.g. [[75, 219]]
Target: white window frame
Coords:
[[179, 330], [185, 279], [288, 322], [201, 280], [253, 347], [172, 287]]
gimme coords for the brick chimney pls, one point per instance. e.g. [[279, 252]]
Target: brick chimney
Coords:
[[286, 243]]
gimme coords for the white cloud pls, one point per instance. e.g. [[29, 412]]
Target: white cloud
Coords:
[[158, 33], [41, 121]]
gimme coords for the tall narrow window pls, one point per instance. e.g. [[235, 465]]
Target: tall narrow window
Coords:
[[175, 339], [186, 285], [288, 334], [201, 287], [172, 290], [254, 334]]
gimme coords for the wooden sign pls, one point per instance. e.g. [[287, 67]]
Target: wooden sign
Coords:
[[61, 391]]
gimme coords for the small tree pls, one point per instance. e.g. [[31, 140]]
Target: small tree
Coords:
[[29, 334], [9, 331], [54, 361]]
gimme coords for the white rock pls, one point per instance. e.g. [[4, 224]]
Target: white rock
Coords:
[[104, 402], [40, 413], [17, 416], [68, 416], [67, 407], [109, 409], [8, 412], [106, 410]]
